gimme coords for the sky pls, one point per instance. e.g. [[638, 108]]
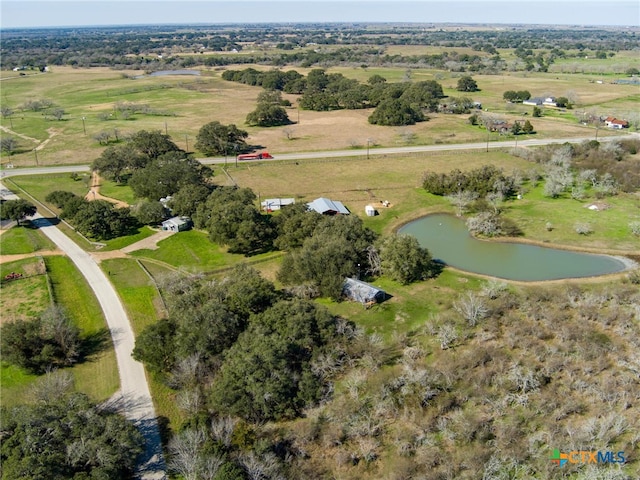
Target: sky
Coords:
[[59, 13]]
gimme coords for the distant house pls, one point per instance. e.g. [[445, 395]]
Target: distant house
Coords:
[[616, 123], [500, 126], [550, 102], [177, 224], [271, 204], [326, 206], [536, 101], [362, 292]]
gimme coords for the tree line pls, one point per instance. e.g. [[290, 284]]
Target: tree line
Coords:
[[145, 47], [402, 103]]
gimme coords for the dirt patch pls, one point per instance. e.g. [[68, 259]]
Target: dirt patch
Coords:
[[100, 256], [149, 243], [94, 193], [20, 256]]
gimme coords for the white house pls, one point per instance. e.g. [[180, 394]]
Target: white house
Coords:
[[177, 224]]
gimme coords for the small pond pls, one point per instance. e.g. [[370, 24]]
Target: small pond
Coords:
[[449, 241], [162, 73]]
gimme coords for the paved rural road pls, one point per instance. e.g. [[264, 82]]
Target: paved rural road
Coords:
[[133, 398], [343, 153]]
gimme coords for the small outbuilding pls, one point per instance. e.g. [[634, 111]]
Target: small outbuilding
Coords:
[[272, 204], [326, 206], [370, 211], [362, 292], [177, 224]]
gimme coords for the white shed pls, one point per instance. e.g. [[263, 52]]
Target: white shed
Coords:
[[370, 211]]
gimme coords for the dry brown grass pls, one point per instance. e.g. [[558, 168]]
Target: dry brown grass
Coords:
[[197, 101]]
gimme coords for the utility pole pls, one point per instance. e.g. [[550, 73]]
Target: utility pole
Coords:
[[84, 128]]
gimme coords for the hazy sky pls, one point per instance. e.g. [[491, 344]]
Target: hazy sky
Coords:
[[37, 13]]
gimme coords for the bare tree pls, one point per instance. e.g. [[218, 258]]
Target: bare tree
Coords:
[[57, 326], [222, 429], [52, 386], [375, 262], [8, 144], [494, 288], [184, 449], [495, 199], [58, 113], [583, 228], [264, 467], [288, 133], [472, 307], [461, 200], [447, 335]]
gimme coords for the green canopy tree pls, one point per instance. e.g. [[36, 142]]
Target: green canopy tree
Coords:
[[101, 220], [404, 260], [67, 437], [118, 161], [167, 174], [153, 143], [266, 375], [338, 245], [467, 84], [17, 210], [294, 225], [232, 219], [269, 112], [215, 138], [395, 112]]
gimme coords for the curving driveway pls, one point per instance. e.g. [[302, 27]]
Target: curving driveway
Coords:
[[133, 398]]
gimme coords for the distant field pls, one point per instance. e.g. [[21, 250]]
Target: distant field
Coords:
[[181, 105]]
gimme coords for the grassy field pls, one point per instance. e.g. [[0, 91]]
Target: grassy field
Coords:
[[183, 105], [23, 240], [97, 374], [144, 306], [32, 286], [194, 252]]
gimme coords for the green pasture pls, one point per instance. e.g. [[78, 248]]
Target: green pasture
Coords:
[[194, 252], [23, 239], [610, 226], [97, 375], [39, 186], [118, 191], [136, 290], [144, 306], [121, 242]]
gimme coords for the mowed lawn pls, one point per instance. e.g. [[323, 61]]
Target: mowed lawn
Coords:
[[23, 239]]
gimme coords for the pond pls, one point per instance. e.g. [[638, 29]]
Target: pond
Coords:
[[449, 241], [162, 73]]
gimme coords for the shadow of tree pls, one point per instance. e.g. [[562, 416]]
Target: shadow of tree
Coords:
[[94, 343]]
